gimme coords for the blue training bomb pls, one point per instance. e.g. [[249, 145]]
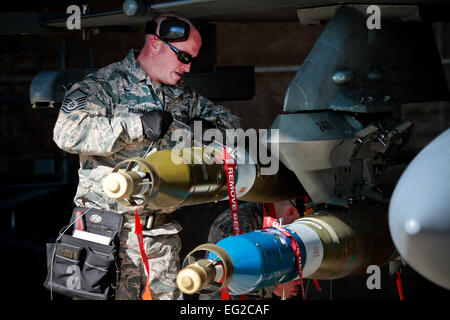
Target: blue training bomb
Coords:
[[334, 243]]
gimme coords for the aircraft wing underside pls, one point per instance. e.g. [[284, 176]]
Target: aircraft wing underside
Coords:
[[220, 10]]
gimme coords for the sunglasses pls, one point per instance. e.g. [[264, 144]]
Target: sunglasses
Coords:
[[182, 56], [171, 29]]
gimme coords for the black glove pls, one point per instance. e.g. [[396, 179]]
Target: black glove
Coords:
[[155, 124]]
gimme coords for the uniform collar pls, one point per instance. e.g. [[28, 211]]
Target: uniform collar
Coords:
[[134, 70], [136, 74]]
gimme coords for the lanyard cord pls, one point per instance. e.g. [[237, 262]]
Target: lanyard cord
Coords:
[[138, 229], [399, 285], [230, 172]]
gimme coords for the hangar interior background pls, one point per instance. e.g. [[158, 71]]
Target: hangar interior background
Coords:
[[38, 181]]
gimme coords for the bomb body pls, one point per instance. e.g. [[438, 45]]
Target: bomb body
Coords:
[[334, 243]]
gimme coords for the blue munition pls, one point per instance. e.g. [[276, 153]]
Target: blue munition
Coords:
[[260, 259]]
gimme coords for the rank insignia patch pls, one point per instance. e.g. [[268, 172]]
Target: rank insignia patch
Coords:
[[74, 101]]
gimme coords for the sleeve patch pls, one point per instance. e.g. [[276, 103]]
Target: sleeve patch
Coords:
[[74, 101]]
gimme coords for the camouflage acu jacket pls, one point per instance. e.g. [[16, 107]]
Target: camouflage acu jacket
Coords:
[[99, 120]]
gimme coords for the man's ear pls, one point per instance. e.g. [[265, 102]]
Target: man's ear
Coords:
[[154, 43], [291, 211]]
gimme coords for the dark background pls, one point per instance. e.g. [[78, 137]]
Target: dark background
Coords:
[[36, 192]]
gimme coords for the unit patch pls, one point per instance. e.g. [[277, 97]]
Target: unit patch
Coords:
[[74, 101], [95, 218]]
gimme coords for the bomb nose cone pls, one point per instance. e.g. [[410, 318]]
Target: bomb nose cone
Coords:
[[113, 186], [190, 280], [187, 282], [116, 185]]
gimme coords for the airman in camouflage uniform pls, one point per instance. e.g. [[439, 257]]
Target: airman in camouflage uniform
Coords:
[[100, 121]]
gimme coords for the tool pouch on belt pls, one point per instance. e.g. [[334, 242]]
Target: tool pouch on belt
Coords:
[[83, 267]]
